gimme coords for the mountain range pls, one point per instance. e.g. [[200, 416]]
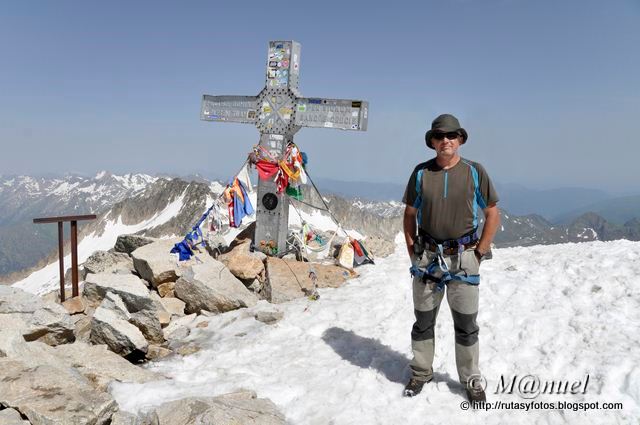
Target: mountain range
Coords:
[[163, 206]]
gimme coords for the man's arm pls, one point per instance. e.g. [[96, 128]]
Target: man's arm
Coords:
[[409, 226], [491, 223]]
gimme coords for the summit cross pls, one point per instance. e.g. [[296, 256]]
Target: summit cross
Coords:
[[278, 112]]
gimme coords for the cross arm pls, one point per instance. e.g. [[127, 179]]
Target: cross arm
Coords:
[[343, 114], [229, 108]]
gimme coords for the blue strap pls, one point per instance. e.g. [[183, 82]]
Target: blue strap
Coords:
[[418, 202]]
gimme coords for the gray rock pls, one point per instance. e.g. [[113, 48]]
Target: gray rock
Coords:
[[50, 395], [179, 328], [126, 418], [99, 365], [237, 408], [149, 324], [35, 318], [11, 417], [210, 286], [156, 352], [110, 328], [109, 262], [129, 287], [129, 243], [154, 263]]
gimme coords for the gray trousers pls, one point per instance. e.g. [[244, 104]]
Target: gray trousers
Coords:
[[463, 302]]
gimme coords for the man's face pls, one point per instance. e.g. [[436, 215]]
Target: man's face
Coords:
[[446, 144]]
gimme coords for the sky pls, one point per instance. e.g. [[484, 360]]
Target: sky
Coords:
[[549, 91]]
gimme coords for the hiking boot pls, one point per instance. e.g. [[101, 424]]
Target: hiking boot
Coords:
[[413, 387], [476, 394]]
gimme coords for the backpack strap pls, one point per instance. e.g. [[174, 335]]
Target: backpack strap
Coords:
[[478, 199], [418, 202]]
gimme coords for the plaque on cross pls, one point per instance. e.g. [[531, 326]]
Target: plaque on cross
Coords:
[[279, 111]]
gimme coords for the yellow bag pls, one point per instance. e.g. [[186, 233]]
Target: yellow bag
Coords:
[[345, 257]]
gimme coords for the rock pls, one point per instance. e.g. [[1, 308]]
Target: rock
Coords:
[[288, 280], [50, 395], [173, 306], [156, 352], [242, 263], [110, 328], [166, 288], [179, 328], [379, 247], [210, 286], [109, 262], [101, 366], [154, 263], [188, 349], [74, 305], [149, 324], [269, 316], [115, 303], [129, 243], [82, 329], [129, 287], [11, 417], [35, 318], [126, 418], [164, 317], [236, 408], [202, 324]]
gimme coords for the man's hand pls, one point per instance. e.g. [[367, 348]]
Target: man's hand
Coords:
[[410, 227]]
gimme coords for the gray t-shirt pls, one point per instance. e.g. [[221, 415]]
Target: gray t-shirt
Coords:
[[450, 202]]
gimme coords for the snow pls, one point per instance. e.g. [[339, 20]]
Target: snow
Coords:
[[557, 311], [47, 279]]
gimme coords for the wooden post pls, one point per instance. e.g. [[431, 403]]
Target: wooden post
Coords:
[[74, 248], [61, 259]]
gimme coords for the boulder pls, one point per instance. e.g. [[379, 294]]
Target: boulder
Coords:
[[174, 306], [156, 352], [126, 418], [166, 288], [148, 323], [74, 305], [11, 417], [237, 408], [129, 287], [164, 317], [379, 247], [35, 318], [179, 328], [154, 263], [211, 286], [108, 326], [109, 262], [129, 243], [242, 263], [51, 395], [289, 279]]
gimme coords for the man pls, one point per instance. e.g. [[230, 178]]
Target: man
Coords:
[[440, 227]]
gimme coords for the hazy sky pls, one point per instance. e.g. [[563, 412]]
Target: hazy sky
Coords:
[[549, 91]]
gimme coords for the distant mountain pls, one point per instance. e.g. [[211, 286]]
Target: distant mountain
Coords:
[[162, 207], [550, 204], [23, 198], [616, 210], [364, 190]]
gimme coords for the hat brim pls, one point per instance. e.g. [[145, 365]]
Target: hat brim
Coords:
[[427, 136]]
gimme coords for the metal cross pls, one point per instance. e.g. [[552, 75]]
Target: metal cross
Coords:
[[279, 111]]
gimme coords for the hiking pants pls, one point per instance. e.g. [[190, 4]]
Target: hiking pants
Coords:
[[463, 302]]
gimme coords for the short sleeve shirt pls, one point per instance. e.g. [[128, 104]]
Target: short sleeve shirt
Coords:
[[448, 207]]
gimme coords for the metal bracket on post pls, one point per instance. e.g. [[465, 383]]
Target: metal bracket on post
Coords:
[[74, 248]]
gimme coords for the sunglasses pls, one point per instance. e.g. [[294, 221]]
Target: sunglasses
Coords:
[[452, 135]]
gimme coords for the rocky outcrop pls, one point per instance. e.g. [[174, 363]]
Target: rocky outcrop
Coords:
[[211, 286], [109, 262], [289, 279], [130, 288], [129, 243], [110, 326], [51, 395], [242, 407], [35, 318], [11, 417], [155, 264]]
